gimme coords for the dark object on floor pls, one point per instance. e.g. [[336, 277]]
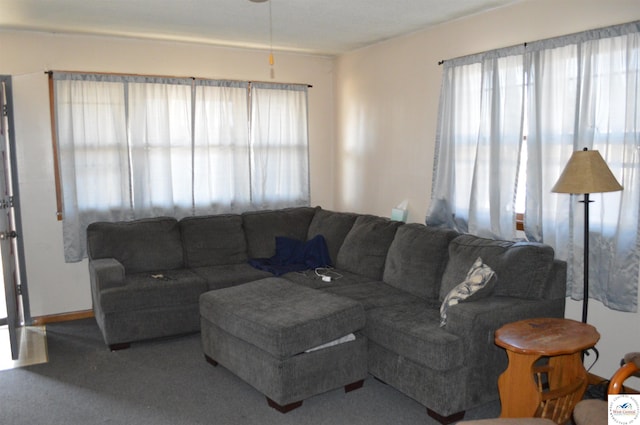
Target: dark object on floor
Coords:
[[597, 391]]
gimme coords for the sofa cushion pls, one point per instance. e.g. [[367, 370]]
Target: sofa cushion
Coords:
[[313, 278], [223, 276], [413, 331], [372, 294], [417, 258], [365, 248], [478, 283], [281, 317], [144, 245], [262, 227], [158, 290], [334, 226], [521, 268], [213, 240]]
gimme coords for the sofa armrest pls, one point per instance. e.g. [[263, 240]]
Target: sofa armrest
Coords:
[[557, 281], [476, 321], [106, 273]]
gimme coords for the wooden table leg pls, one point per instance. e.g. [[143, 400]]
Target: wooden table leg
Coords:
[[517, 386], [566, 370]]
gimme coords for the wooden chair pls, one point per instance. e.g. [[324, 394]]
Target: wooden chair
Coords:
[[557, 404], [630, 367], [595, 412]]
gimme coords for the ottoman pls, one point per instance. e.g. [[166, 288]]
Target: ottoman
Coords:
[[272, 333]]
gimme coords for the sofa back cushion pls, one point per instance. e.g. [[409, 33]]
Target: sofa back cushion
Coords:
[[417, 258], [334, 226], [213, 240], [145, 245], [262, 227], [365, 247], [521, 268]]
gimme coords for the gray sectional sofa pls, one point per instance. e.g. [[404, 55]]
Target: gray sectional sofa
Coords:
[[148, 277]]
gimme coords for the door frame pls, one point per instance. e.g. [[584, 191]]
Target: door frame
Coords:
[[21, 267]]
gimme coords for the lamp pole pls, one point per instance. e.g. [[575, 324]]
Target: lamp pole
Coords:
[[586, 172], [585, 262]]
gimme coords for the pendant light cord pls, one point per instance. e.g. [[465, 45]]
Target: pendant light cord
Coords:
[[271, 61]]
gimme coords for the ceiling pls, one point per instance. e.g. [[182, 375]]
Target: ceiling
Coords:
[[327, 27]]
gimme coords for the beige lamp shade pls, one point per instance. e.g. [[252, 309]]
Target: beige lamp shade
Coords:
[[586, 172]]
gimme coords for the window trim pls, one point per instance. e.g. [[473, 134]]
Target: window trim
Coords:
[[520, 222], [54, 143]]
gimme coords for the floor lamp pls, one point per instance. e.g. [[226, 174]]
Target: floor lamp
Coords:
[[585, 173]]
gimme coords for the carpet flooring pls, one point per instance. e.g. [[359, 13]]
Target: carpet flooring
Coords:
[[169, 382]]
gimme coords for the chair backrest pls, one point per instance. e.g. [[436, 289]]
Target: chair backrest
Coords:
[[558, 404], [630, 367]]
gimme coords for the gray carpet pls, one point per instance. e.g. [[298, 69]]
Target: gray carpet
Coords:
[[169, 382]]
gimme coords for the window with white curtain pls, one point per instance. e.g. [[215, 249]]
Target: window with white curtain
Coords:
[[278, 173], [509, 121], [134, 146], [478, 143]]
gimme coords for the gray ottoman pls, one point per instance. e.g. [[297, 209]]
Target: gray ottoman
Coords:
[[261, 332]]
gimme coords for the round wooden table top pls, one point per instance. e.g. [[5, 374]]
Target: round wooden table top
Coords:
[[546, 336]]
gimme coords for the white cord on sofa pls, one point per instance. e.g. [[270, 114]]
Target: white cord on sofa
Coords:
[[326, 274]]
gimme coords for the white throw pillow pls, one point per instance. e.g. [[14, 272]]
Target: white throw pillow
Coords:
[[479, 282]]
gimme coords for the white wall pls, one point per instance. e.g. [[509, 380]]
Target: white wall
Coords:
[[54, 286], [387, 104]]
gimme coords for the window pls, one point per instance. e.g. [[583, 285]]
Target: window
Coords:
[[498, 157], [479, 143], [133, 146]]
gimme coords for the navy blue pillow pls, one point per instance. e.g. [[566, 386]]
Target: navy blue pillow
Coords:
[[288, 251], [312, 253], [294, 255]]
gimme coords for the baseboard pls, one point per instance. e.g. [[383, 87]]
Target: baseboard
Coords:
[[64, 317]]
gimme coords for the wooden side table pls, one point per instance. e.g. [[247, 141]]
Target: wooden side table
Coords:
[[532, 387]]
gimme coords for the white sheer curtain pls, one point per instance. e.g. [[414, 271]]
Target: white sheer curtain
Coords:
[[581, 90], [94, 161], [585, 92], [160, 146], [135, 146], [279, 146], [221, 147], [478, 143]]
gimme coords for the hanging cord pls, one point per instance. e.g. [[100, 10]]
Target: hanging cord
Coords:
[[271, 61], [586, 353]]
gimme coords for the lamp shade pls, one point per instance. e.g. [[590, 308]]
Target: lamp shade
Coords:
[[586, 172]]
